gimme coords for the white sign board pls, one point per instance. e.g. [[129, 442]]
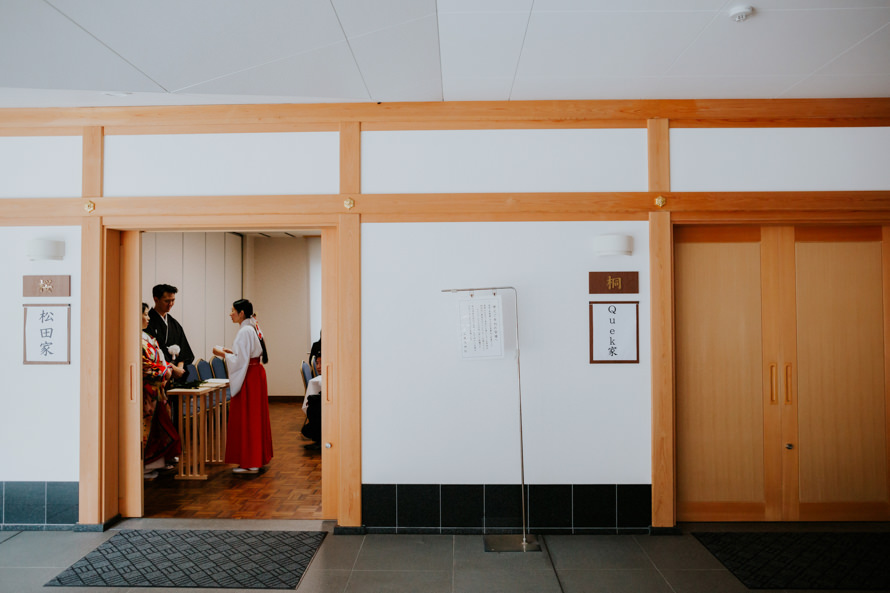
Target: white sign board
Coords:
[[614, 332], [481, 326], [47, 334]]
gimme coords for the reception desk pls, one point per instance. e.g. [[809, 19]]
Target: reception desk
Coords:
[[202, 427]]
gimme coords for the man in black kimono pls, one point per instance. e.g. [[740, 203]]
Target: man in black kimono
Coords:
[[167, 331]]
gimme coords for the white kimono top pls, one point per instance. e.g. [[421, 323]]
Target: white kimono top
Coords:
[[246, 346]]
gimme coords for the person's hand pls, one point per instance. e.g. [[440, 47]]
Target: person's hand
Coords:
[[178, 372]]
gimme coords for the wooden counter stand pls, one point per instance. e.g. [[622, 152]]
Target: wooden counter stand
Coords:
[[202, 428]]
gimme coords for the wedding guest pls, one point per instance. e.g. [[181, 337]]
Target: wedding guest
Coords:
[[160, 439], [249, 436]]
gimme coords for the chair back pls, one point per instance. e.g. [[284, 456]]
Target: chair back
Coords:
[[204, 370], [306, 373], [312, 365], [218, 366], [191, 373]]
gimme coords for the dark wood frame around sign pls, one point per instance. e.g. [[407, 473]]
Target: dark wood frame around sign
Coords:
[[637, 328]]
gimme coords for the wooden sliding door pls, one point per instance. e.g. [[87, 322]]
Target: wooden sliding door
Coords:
[[781, 395]]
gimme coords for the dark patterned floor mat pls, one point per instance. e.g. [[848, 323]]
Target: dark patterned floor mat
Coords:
[[190, 558], [846, 561]]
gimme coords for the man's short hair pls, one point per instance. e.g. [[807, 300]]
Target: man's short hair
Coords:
[[159, 290]]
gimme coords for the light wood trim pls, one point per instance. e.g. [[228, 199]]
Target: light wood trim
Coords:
[[659, 140], [834, 234], [775, 218], [845, 511], [885, 278], [716, 234], [257, 128], [771, 285], [543, 124], [664, 463], [92, 506], [736, 112], [786, 322], [93, 162], [111, 329], [230, 222], [349, 378], [722, 511], [123, 305], [330, 458], [350, 158], [69, 131]]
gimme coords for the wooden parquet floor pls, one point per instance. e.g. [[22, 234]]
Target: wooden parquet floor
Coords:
[[288, 488]]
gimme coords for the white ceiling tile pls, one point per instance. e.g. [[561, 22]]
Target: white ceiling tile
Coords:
[[628, 5], [327, 72], [359, 17], [478, 45], [179, 44], [643, 87], [776, 42], [607, 44], [40, 48], [402, 62], [869, 57], [485, 88], [450, 6], [840, 87]]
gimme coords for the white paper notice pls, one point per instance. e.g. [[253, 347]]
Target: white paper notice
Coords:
[[614, 332], [46, 333], [481, 326]]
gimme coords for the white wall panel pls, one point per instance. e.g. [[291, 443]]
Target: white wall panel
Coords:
[[780, 159], [194, 279], [215, 312], [222, 164], [41, 167], [232, 287], [467, 161], [430, 418], [39, 404], [314, 246]]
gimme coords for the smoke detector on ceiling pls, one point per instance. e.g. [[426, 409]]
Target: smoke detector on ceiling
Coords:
[[741, 13]]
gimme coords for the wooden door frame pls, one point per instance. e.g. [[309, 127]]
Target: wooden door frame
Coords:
[[108, 288]]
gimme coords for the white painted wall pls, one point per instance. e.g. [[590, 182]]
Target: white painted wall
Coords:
[[466, 161], [314, 246], [276, 280], [428, 417], [41, 167], [39, 404], [206, 268], [222, 164], [780, 159]]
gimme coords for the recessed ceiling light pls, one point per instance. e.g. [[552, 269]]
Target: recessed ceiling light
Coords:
[[740, 13]]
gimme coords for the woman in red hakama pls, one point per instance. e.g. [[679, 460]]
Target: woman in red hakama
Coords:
[[249, 435]]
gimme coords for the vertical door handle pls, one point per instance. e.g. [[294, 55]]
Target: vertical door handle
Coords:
[[132, 381], [773, 383], [788, 384], [328, 384]]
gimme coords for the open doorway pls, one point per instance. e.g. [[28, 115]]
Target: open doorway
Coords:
[[281, 273]]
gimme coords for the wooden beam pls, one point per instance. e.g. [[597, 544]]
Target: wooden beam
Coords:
[[93, 162], [350, 158], [659, 134], [664, 473]]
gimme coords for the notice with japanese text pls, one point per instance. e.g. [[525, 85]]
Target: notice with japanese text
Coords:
[[47, 329], [614, 332], [481, 326]]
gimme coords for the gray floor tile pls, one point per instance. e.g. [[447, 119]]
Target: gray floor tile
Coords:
[[677, 552], [338, 552], [324, 581], [32, 549], [505, 581], [225, 524], [31, 580], [613, 581], [704, 581], [5, 535], [596, 552], [400, 581], [406, 552], [470, 554]]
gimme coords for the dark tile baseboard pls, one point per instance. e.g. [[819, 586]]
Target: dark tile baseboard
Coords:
[[497, 508], [38, 506]]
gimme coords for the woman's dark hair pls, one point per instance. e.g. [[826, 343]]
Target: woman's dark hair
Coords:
[[144, 307], [246, 307]]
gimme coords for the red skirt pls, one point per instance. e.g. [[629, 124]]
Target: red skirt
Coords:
[[249, 434]]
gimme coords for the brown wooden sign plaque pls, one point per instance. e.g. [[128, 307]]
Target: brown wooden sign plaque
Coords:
[[614, 282], [46, 286]]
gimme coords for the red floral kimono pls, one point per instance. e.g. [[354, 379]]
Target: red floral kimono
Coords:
[[160, 439]]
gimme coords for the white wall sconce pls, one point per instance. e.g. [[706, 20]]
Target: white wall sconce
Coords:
[[613, 245], [41, 249]]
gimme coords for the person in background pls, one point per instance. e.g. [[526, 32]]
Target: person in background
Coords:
[[312, 408], [249, 437], [160, 439], [167, 331]]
